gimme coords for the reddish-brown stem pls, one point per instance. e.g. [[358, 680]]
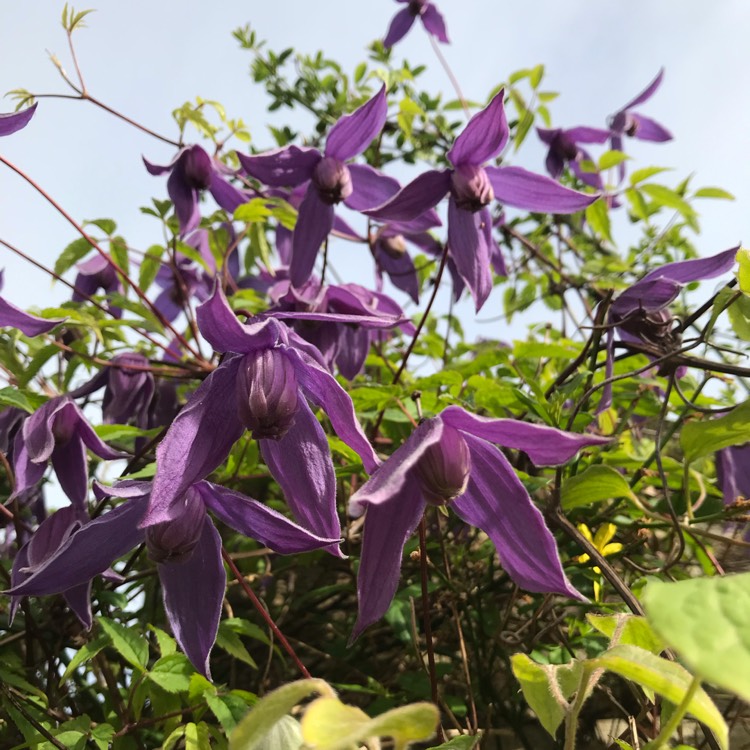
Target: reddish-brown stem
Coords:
[[264, 614]]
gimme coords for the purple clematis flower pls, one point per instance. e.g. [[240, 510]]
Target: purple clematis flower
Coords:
[[451, 459], [263, 385], [564, 149], [472, 187], [30, 325], [191, 172], [626, 122], [640, 313], [94, 274], [426, 12], [331, 180], [180, 282], [186, 550], [733, 472], [128, 389], [57, 431], [12, 122]]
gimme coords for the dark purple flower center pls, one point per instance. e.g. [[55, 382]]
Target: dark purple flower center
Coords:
[[624, 122], [417, 7], [471, 187], [443, 469], [565, 147], [333, 180], [655, 327], [174, 541], [267, 393], [394, 247], [197, 168]]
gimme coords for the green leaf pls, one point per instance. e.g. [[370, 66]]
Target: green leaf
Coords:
[[197, 737], [150, 267], [129, 644], [611, 159], [669, 198], [228, 640], [119, 250], [464, 742], [595, 484], [631, 630], [167, 644], [706, 621], [228, 709], [36, 363], [86, 652], [743, 272], [639, 175], [597, 215], [254, 210], [107, 226], [546, 688], [269, 710], [72, 254], [10, 396], [329, 724], [666, 678], [172, 673], [705, 437], [714, 192]]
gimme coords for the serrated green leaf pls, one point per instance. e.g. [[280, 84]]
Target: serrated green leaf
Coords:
[[254, 210], [197, 737], [706, 621], [129, 644], [611, 159], [246, 628], [72, 254], [86, 652], [167, 644], [701, 438], [464, 742], [172, 673], [36, 363], [595, 484], [597, 215], [228, 640], [666, 678], [149, 267], [631, 630], [10, 396], [669, 198]]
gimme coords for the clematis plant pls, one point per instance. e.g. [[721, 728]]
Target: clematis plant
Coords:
[[330, 180], [472, 187], [451, 460], [186, 550], [426, 12], [564, 149]]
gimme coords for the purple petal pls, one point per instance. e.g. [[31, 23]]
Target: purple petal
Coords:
[[193, 593], [594, 179], [371, 187], [92, 441], [387, 527], [185, 199], [37, 430], [89, 551], [314, 222], [324, 391], [222, 329], [496, 502], [78, 599], [156, 169], [15, 121], [434, 23], [71, 467], [400, 25], [588, 135], [301, 463], [353, 133], [484, 137], [226, 194], [353, 350], [281, 167], [367, 321], [518, 187], [545, 446], [27, 472], [555, 163], [467, 242], [258, 521], [400, 270], [646, 94], [29, 325], [392, 476], [685, 271], [198, 441], [649, 130], [647, 294], [420, 195]]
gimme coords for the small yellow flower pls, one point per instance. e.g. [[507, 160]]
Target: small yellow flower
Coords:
[[600, 540]]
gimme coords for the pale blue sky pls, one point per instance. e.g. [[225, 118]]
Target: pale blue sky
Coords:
[[145, 58]]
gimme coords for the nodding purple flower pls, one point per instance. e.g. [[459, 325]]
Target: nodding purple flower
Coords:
[[94, 274], [641, 312], [626, 122], [12, 122], [451, 460], [12, 317], [330, 179], [191, 172], [268, 367], [128, 389], [426, 12], [180, 282], [186, 550], [472, 186], [564, 149], [58, 432], [733, 472]]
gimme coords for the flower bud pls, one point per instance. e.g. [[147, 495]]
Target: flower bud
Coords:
[[394, 247], [174, 541], [197, 167], [333, 180], [417, 7], [471, 187], [624, 122], [267, 393], [129, 391], [564, 147], [443, 469]]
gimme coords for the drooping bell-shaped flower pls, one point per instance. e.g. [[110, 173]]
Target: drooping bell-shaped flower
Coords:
[[186, 549], [451, 459], [426, 12], [94, 274], [472, 186], [330, 179], [564, 149], [30, 325], [12, 122]]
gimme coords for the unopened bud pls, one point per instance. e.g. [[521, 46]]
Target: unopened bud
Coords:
[[333, 180], [471, 187], [443, 469], [267, 393], [197, 167], [174, 541]]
